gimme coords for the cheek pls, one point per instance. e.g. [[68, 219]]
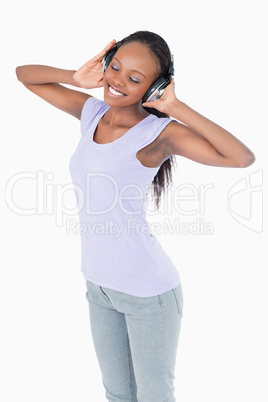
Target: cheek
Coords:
[[138, 90], [106, 76]]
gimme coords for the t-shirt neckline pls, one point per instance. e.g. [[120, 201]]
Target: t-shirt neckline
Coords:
[[96, 144]]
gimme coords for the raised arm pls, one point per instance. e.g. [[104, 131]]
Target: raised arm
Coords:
[[199, 138], [45, 81]]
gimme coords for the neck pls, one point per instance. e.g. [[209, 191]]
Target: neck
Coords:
[[126, 115]]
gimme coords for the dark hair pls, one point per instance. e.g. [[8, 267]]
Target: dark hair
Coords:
[[161, 53]]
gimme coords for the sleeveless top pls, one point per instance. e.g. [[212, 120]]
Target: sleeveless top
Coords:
[[117, 249]]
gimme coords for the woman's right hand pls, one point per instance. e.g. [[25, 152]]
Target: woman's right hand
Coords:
[[90, 75]]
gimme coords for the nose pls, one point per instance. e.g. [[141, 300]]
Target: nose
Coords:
[[118, 80], [118, 83]]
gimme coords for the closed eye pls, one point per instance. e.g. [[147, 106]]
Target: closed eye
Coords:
[[136, 82]]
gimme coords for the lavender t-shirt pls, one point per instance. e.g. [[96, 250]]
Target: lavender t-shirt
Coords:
[[111, 184]]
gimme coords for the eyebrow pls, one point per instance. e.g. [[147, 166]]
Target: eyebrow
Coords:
[[132, 69]]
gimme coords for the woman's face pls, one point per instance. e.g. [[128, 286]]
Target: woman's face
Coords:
[[131, 73]]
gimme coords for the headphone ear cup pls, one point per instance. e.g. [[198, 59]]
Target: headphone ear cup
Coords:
[[156, 90], [108, 58]]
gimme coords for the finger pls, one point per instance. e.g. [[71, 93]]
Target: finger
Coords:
[[100, 56], [148, 104], [110, 44]]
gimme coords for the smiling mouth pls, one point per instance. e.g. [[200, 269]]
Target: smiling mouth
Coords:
[[114, 91]]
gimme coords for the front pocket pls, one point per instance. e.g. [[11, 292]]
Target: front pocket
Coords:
[[179, 298]]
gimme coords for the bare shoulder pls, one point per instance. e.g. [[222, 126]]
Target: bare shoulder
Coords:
[[173, 128], [170, 134]]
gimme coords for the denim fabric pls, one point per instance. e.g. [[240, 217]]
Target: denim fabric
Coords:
[[136, 340]]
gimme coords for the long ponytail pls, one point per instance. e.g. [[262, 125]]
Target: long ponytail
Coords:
[[160, 51]]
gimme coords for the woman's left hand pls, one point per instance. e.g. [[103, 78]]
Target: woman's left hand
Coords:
[[164, 102]]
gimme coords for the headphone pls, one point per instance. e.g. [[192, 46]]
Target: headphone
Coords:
[[157, 88]]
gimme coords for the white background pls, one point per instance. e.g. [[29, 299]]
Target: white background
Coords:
[[220, 55]]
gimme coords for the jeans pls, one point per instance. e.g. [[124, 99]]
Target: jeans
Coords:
[[136, 340]]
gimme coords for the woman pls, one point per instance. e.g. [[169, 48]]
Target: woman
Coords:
[[127, 142]]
